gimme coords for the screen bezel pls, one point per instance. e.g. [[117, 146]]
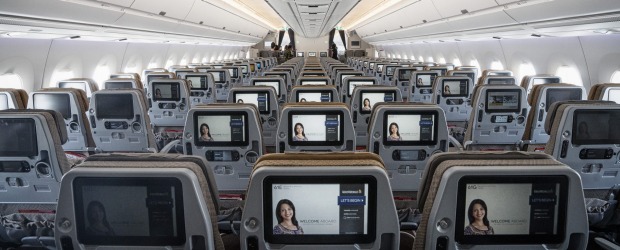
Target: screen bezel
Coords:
[[393, 71], [510, 239], [350, 90], [323, 239], [107, 85], [362, 92], [80, 182], [331, 95], [411, 143], [196, 140], [516, 110], [443, 86], [408, 72], [202, 75], [84, 84], [340, 141], [172, 84], [266, 93]]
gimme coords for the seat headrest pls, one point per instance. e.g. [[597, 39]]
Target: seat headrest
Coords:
[[551, 114]]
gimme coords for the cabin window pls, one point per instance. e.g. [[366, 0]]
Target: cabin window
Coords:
[[61, 75], [183, 61], [569, 75], [497, 65], [456, 62], [102, 73], [421, 59], [442, 60], [615, 77], [12, 81], [430, 59], [475, 63], [526, 69], [169, 63], [131, 69], [153, 65]]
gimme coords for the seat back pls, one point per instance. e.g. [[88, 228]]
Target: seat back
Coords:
[[139, 201], [125, 75], [605, 92], [151, 70], [314, 93], [236, 77], [422, 86], [527, 82], [349, 83], [285, 76], [229, 136], [468, 73], [221, 78], [389, 73], [498, 117], [89, 86], [181, 72], [122, 83], [120, 122], [402, 79], [72, 105], [541, 98], [313, 80], [342, 74], [453, 94], [277, 83], [314, 126], [529, 201], [201, 88], [405, 135], [13, 99], [156, 75], [168, 102], [266, 102], [339, 201], [497, 80], [584, 136], [363, 100]]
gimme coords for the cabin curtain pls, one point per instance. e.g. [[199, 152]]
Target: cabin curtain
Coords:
[[343, 39], [280, 37], [331, 39], [291, 35]]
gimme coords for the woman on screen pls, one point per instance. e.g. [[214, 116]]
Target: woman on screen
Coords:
[[394, 134], [366, 106], [299, 133], [204, 133], [303, 100], [446, 90], [420, 82], [98, 223], [240, 101], [287, 223], [157, 93], [582, 132], [478, 222]]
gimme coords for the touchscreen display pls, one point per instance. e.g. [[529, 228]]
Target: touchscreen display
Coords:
[[537, 81], [389, 70], [511, 210], [404, 74], [402, 128], [274, 84], [4, 102], [129, 211], [500, 81], [455, 88], [314, 96], [614, 95], [369, 99], [313, 82], [355, 83], [338, 210], [234, 73], [503, 100], [73, 85], [218, 77], [425, 80], [114, 106], [556, 95], [316, 128], [220, 129], [260, 100], [57, 101], [591, 127], [166, 91], [197, 82], [19, 137], [118, 85]]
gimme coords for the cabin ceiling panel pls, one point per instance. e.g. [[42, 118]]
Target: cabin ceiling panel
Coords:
[[124, 3], [175, 9], [312, 18], [448, 8], [413, 14], [59, 10], [562, 9], [218, 18]]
